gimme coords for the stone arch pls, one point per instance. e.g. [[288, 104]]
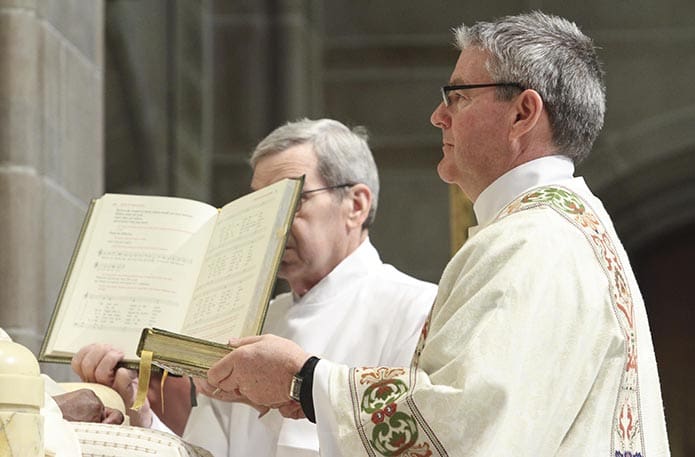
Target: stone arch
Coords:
[[653, 192]]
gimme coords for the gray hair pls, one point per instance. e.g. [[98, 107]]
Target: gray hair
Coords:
[[552, 56], [343, 154]]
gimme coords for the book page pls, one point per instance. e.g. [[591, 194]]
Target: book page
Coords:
[[249, 231], [136, 267]]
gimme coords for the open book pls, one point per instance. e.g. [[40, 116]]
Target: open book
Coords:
[[171, 263]]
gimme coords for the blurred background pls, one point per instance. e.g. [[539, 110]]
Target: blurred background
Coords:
[[169, 97]]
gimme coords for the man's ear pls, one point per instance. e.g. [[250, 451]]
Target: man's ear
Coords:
[[360, 198], [527, 111]]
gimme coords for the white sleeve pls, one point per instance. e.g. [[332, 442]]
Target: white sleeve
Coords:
[[325, 419], [157, 424]]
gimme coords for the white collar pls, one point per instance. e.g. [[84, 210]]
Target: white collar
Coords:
[[358, 263], [538, 172]]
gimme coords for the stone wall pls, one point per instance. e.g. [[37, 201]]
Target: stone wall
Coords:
[[51, 151]]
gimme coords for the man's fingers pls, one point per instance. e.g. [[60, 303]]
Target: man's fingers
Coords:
[[291, 410], [105, 371], [236, 342], [125, 383], [96, 363], [221, 370], [87, 359], [229, 387], [112, 416], [203, 386], [76, 364]]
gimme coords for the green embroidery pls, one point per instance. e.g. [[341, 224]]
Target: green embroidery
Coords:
[[395, 435], [394, 431], [561, 198], [389, 432], [381, 394]]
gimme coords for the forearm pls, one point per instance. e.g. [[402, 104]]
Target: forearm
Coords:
[[172, 410]]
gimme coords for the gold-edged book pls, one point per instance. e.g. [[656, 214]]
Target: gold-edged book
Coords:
[[180, 354], [174, 264]]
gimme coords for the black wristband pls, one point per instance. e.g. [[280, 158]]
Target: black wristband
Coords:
[[306, 394]]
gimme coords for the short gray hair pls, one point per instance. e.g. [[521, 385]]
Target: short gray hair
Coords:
[[552, 56], [343, 154]]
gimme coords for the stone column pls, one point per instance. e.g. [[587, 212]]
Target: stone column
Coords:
[[261, 69], [51, 151]]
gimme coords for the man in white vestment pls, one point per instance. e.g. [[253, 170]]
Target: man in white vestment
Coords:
[[538, 343], [345, 303]]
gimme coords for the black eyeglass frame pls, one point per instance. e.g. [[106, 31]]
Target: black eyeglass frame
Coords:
[[446, 89], [304, 193]]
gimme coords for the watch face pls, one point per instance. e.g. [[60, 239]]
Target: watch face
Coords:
[[295, 387]]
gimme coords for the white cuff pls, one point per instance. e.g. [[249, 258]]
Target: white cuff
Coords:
[[325, 418], [157, 424]]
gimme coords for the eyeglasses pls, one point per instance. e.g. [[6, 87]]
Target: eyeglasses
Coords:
[[446, 89], [303, 194]]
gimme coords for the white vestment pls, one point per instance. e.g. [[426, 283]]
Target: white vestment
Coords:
[[364, 312], [538, 344]]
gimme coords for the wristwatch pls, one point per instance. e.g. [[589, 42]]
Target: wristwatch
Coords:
[[296, 386], [298, 378], [301, 388]]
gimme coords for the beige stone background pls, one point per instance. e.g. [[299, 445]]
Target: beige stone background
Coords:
[[169, 96]]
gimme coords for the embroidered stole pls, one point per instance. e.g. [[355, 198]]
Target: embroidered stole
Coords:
[[388, 420]]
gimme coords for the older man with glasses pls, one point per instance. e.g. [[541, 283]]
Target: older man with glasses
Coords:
[[538, 343], [345, 303]]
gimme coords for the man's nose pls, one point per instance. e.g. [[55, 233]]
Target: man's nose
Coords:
[[440, 117]]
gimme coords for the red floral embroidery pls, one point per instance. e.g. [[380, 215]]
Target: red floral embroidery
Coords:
[[380, 415]]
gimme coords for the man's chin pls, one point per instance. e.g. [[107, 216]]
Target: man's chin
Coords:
[[444, 172], [286, 269]]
